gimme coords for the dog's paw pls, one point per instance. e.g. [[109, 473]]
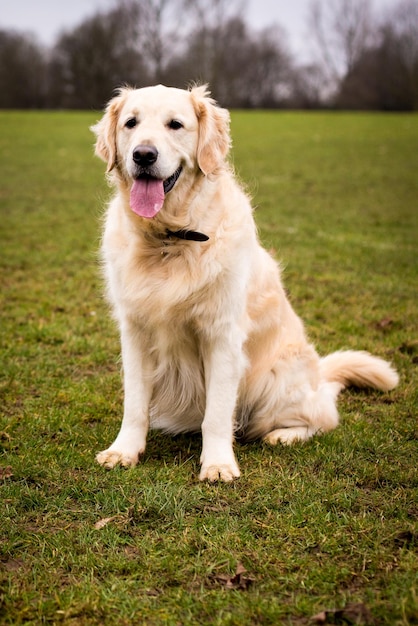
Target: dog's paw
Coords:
[[288, 436], [225, 473], [110, 458]]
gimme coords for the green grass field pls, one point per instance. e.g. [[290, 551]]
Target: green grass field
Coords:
[[328, 527]]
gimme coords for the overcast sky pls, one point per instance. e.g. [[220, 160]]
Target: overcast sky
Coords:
[[47, 18]]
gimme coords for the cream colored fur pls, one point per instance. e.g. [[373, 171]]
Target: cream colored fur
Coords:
[[210, 342]]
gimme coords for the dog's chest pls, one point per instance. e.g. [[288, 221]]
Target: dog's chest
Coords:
[[160, 288]]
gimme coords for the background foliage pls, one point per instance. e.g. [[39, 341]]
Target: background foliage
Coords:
[[361, 59]]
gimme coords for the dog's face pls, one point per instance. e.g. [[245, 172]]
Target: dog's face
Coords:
[[158, 136]]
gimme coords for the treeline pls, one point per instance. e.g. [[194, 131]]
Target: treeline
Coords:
[[359, 60]]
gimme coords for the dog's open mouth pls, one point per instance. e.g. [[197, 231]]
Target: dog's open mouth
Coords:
[[171, 181], [148, 193]]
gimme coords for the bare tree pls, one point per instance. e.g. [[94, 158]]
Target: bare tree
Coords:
[[160, 25], [307, 87], [214, 14], [341, 31], [99, 55], [386, 74], [211, 23], [268, 77], [22, 71], [404, 21], [243, 68]]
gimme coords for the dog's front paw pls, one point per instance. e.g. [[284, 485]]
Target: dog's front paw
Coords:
[[110, 458], [213, 473]]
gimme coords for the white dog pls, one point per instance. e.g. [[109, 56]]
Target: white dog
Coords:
[[209, 339]]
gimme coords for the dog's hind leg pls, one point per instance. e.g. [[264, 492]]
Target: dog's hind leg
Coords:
[[316, 414], [289, 435]]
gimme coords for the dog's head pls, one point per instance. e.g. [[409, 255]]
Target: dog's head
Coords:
[[152, 138]]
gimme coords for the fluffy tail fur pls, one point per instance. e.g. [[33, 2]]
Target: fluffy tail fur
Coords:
[[360, 369]]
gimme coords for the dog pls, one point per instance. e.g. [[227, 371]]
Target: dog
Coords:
[[210, 342]]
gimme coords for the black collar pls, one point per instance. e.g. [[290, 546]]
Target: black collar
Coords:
[[189, 235]]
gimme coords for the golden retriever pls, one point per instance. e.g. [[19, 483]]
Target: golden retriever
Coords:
[[209, 339]]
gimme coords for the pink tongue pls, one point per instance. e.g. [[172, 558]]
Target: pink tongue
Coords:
[[147, 196]]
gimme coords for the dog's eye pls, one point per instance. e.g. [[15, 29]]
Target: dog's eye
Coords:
[[131, 123], [175, 125]]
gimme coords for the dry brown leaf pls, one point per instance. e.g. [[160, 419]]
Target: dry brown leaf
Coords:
[[386, 322], [6, 472], [238, 581], [121, 517], [105, 521], [153, 593]]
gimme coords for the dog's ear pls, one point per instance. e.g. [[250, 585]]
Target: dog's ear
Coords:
[[214, 138], [105, 130]]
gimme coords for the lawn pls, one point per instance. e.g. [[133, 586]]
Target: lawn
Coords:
[[327, 528]]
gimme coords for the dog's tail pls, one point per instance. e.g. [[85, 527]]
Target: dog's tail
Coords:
[[361, 369]]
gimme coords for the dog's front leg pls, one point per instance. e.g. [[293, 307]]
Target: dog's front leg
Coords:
[[224, 365], [131, 440]]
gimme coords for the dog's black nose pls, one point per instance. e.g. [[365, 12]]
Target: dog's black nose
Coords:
[[145, 155]]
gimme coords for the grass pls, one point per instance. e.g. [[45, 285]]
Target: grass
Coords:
[[319, 526]]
